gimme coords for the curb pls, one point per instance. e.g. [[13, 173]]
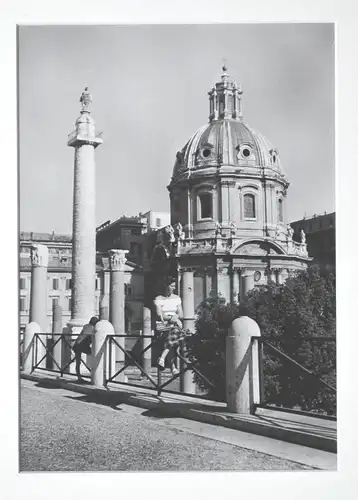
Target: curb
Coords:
[[251, 423]]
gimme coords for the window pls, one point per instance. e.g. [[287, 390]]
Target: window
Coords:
[[98, 283], [127, 290], [246, 152], [22, 283], [136, 249], [55, 283], [206, 152], [68, 284], [206, 206], [136, 231], [69, 303], [249, 206], [280, 210], [22, 304]]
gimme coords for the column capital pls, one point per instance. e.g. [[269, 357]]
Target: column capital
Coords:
[[39, 255], [228, 183], [117, 259], [188, 270]]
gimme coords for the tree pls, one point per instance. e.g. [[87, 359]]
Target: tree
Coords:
[[288, 315]]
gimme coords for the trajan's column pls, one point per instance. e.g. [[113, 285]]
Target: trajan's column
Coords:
[[84, 139]]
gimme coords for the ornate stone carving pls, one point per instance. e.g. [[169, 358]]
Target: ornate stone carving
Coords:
[[179, 234], [290, 232], [86, 100], [303, 237], [218, 229], [233, 228], [39, 255], [117, 259]]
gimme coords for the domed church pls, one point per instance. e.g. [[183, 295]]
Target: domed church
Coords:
[[228, 195]]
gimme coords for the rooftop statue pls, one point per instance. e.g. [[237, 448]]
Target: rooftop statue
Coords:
[[86, 100]]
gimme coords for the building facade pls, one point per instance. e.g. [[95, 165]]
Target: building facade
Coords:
[[320, 232], [228, 195], [59, 280]]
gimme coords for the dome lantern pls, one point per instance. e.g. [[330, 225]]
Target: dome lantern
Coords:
[[225, 99]]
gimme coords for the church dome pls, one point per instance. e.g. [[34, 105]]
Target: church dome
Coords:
[[226, 141]]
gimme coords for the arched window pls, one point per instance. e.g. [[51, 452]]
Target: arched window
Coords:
[[249, 206], [206, 206], [280, 210]]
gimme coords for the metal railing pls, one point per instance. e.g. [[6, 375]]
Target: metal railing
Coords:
[[44, 345], [159, 383], [67, 358], [318, 386]]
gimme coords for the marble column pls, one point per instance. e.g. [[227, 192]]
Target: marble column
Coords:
[[84, 140], [247, 282], [117, 260], [38, 299], [235, 285], [187, 295]]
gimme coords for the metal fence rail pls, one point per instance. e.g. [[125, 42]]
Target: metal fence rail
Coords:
[[297, 367]]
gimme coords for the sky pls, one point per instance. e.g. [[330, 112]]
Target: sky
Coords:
[[149, 85]]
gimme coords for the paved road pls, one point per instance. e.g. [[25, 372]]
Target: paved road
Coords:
[[64, 431]]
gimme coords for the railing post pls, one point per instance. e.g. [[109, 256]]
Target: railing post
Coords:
[[99, 363], [242, 366], [28, 346], [66, 352], [56, 334]]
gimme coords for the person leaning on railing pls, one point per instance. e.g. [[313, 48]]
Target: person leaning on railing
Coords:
[[170, 313], [83, 344]]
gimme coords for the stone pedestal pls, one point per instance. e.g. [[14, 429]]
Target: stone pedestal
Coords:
[[100, 353], [117, 304], [187, 295]]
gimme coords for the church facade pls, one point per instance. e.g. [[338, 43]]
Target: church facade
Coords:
[[228, 195]]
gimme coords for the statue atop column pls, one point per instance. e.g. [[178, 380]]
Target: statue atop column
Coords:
[[86, 100]]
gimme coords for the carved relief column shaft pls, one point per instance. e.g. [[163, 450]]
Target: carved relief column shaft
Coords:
[[38, 299], [84, 140], [117, 259]]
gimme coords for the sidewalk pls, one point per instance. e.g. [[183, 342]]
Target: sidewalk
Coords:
[[304, 430]]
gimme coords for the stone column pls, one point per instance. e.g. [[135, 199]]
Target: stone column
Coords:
[[38, 299], [56, 335], [104, 308], [223, 283], [247, 282], [242, 366], [84, 139], [117, 303], [278, 276], [147, 332], [235, 285], [187, 295]]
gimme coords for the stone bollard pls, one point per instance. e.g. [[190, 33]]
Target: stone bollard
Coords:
[[56, 335], [100, 353], [242, 366], [28, 346]]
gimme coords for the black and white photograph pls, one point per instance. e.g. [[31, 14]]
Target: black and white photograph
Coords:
[[177, 235]]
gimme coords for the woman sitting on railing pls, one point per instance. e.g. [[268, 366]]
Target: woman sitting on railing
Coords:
[[170, 313]]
